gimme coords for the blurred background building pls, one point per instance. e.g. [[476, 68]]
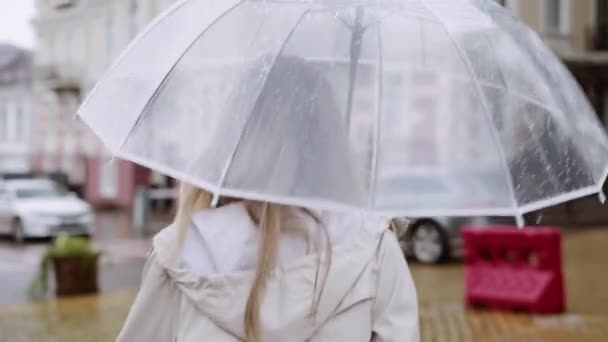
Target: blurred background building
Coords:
[[578, 32], [77, 41], [15, 109]]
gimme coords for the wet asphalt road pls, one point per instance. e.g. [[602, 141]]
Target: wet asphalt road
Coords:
[[440, 289], [123, 256]]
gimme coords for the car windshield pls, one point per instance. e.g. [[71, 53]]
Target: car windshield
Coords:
[[46, 192]]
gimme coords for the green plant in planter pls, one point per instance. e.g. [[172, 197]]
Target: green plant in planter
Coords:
[[64, 247]]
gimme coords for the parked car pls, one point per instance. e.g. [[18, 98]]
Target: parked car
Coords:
[[437, 239], [41, 208]]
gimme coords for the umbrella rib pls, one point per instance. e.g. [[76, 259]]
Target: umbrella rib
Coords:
[[534, 134], [216, 192], [374, 166], [543, 152], [486, 84], [521, 96], [172, 70], [555, 99], [501, 151], [525, 55]]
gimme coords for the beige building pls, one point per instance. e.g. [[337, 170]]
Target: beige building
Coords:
[[15, 109], [77, 41], [578, 32], [567, 25]]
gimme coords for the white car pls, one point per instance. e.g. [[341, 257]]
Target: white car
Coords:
[[39, 208]]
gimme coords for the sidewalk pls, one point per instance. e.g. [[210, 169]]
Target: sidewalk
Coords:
[[440, 291], [100, 318], [453, 323], [122, 259]]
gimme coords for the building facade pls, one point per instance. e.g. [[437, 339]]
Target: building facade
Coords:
[[577, 30], [77, 41], [15, 109]]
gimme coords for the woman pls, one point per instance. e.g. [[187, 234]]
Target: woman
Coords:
[[259, 271]]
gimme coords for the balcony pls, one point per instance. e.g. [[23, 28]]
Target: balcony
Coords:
[[561, 43], [594, 51], [59, 78]]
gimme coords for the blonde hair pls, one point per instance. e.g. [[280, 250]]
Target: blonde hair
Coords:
[[270, 219], [320, 166]]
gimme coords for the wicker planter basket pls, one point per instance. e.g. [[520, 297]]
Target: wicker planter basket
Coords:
[[76, 275]]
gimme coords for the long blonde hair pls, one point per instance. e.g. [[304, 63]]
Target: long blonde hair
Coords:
[[296, 97], [270, 219]]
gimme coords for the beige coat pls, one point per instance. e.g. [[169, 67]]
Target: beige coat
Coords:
[[369, 295]]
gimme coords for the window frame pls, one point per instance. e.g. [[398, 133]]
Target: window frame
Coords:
[[564, 19]]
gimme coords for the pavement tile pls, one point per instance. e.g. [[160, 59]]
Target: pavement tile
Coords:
[[99, 318], [440, 289]]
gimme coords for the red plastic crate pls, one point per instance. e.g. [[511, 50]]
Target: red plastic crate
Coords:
[[514, 269]]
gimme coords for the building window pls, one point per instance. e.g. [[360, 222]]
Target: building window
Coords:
[[54, 48], [11, 123], [108, 180], [3, 122], [110, 34], [552, 15], [154, 8], [133, 16], [601, 36], [48, 162], [555, 16], [19, 124], [67, 164]]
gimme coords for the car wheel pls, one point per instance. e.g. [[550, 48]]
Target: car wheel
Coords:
[[429, 243], [18, 232]]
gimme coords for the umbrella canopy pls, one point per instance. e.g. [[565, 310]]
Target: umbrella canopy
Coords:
[[401, 107]]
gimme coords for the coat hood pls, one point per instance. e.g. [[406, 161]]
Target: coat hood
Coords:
[[217, 263]]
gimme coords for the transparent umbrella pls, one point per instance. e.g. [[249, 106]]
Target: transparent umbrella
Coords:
[[400, 107]]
